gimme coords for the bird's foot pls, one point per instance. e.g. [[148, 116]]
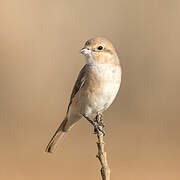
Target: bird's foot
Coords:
[[97, 125], [101, 130], [99, 120], [100, 123], [98, 128]]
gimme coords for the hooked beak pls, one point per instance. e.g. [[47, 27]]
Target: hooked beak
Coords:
[[85, 51]]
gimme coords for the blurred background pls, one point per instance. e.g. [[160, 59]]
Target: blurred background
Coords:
[[39, 63]]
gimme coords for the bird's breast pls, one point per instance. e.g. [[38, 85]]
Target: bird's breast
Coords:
[[104, 83]]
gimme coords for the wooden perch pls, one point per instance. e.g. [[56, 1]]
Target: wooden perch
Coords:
[[102, 155]]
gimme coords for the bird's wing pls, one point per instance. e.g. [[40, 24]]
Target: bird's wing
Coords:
[[79, 83]]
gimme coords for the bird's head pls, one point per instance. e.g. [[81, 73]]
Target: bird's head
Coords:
[[99, 50]]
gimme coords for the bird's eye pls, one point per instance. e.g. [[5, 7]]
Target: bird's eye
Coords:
[[100, 47]]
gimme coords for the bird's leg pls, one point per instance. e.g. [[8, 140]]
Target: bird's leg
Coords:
[[100, 123], [96, 129]]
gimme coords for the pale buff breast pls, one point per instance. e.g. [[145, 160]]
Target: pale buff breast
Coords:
[[101, 89]]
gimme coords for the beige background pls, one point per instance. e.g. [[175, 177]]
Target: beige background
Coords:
[[39, 62]]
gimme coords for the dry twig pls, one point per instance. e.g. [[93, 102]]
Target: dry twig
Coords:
[[102, 155]]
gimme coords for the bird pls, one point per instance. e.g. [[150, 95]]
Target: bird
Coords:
[[95, 89]]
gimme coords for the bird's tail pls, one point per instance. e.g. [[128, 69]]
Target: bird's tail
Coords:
[[60, 132]]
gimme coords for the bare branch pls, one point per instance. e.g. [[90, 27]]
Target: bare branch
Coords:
[[102, 155]]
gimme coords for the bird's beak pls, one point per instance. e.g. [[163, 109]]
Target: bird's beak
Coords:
[[85, 51]]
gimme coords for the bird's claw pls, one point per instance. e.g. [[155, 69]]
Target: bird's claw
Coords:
[[98, 128], [95, 130], [101, 123], [98, 125]]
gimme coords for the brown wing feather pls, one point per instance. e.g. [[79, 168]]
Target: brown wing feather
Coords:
[[61, 130], [79, 83]]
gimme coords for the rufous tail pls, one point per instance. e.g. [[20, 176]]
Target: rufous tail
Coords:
[[56, 137]]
